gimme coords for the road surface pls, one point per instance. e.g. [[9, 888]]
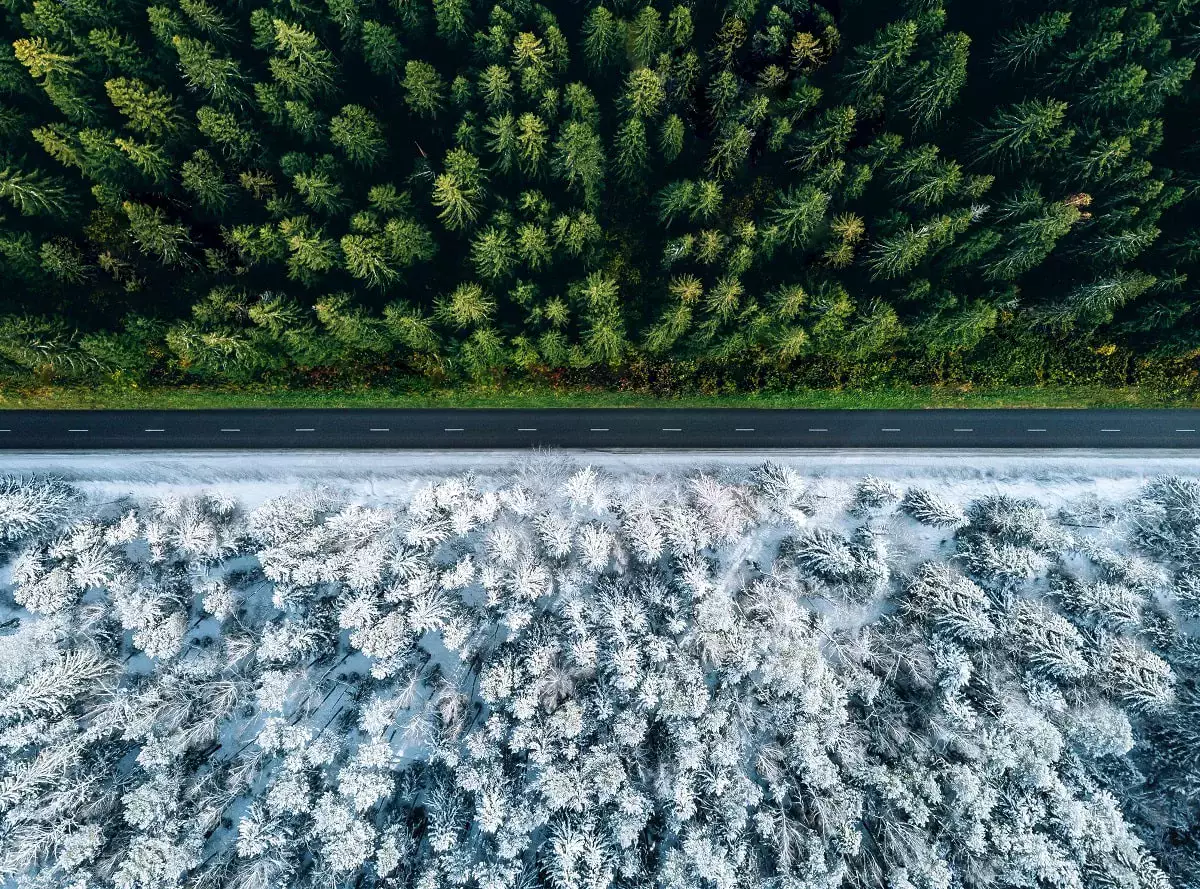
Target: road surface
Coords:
[[676, 428]]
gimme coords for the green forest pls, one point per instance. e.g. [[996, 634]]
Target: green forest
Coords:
[[743, 195]]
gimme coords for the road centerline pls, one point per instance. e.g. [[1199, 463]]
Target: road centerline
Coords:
[[698, 429]]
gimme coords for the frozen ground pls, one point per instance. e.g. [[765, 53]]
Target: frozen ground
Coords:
[[582, 670], [388, 475]]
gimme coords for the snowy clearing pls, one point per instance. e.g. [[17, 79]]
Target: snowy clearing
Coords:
[[789, 670]]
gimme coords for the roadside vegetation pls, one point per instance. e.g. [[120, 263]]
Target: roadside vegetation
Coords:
[[746, 198], [471, 395]]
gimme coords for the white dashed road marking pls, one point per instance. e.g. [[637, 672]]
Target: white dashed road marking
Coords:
[[818, 430], [889, 430], [379, 429], [154, 430], [231, 430], [599, 428], [454, 429], [669, 429], [77, 430], [744, 429], [1035, 430], [305, 429], [527, 429], [1177, 430], [964, 430], [1110, 430]]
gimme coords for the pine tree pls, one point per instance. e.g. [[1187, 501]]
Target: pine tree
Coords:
[[1026, 131], [467, 306], [204, 178], [220, 78], [1023, 45], [155, 236], [601, 37], [34, 193], [875, 64], [358, 134], [458, 191], [150, 112], [301, 65], [423, 88], [579, 159], [798, 213], [381, 49], [932, 87], [492, 253]]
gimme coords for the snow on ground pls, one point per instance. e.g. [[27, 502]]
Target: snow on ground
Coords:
[[254, 476]]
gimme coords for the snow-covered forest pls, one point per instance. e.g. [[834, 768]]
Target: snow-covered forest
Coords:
[[564, 676]]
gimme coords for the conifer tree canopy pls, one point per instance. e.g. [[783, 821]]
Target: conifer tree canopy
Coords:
[[971, 187]]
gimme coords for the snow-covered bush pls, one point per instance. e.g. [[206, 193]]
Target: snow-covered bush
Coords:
[[564, 678]]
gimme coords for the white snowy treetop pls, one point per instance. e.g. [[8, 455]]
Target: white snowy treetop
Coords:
[[568, 678]]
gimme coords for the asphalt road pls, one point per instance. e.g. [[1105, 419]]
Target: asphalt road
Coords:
[[488, 429]]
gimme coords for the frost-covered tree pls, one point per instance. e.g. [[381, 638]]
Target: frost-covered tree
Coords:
[[929, 509], [560, 677], [32, 505]]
